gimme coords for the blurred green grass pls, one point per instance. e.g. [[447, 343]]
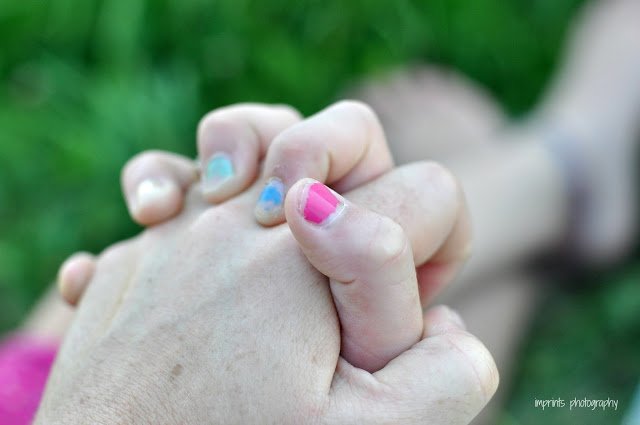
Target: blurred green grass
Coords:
[[85, 84], [585, 342]]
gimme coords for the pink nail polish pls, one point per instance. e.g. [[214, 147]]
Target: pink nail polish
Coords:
[[320, 204]]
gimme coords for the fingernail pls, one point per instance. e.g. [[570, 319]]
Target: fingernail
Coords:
[[271, 198], [219, 169], [321, 205], [150, 191]]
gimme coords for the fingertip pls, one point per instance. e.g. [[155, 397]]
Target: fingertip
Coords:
[[310, 209], [267, 219], [269, 209], [74, 276], [153, 183], [442, 319], [312, 203], [155, 200]]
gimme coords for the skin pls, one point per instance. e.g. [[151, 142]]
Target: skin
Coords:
[[203, 317], [343, 145], [473, 177], [178, 328]]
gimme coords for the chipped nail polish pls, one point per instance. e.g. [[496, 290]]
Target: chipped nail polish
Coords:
[[218, 170], [271, 197], [321, 205]]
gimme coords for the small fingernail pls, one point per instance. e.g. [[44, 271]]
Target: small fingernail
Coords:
[[321, 206], [218, 169], [271, 198], [150, 191]]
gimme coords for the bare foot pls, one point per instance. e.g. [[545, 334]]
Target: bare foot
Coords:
[[428, 112]]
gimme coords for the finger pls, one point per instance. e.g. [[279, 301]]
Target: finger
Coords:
[[428, 203], [74, 276], [369, 262], [231, 142], [154, 184], [446, 378], [443, 267], [343, 145]]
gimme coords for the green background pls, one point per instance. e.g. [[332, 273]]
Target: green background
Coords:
[[86, 84]]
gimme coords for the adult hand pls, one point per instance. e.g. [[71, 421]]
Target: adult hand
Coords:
[[211, 318]]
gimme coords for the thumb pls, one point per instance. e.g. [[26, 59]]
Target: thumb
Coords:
[[446, 378], [369, 262]]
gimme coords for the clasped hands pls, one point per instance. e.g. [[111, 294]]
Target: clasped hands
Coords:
[[283, 283]]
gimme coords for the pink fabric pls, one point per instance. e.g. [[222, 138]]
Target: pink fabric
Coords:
[[24, 366]]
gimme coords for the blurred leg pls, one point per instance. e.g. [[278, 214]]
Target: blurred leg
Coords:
[[519, 206], [523, 188], [591, 118], [432, 113], [516, 191], [49, 318]]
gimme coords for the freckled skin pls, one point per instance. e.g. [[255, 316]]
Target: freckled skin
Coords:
[[207, 300], [176, 371], [254, 331]]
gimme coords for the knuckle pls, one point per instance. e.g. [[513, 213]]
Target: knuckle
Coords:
[[80, 256], [364, 114], [298, 144], [477, 368], [292, 113], [389, 243], [65, 266], [365, 119], [214, 221], [358, 108], [208, 118], [442, 185], [215, 123], [435, 172], [142, 161]]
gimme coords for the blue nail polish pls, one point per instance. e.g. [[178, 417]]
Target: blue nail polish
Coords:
[[219, 168], [272, 196]]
